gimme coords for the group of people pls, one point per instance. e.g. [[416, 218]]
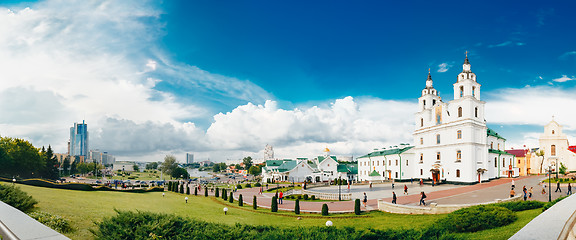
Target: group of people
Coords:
[[527, 193]]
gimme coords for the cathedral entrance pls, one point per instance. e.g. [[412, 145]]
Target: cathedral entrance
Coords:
[[435, 175]]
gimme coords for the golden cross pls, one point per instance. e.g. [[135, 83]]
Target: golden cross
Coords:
[[466, 53]]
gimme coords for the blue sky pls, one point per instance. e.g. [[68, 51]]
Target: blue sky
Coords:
[[223, 79]]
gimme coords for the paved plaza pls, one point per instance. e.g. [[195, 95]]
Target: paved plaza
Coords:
[[441, 194]]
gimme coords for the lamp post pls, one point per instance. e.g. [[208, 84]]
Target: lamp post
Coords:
[[13, 181], [549, 183], [339, 185]]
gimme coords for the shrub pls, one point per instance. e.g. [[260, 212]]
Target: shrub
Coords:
[[15, 197], [205, 192], [324, 209], [299, 196], [254, 203], [181, 188], [297, 207], [357, 207], [476, 218], [187, 189], [520, 205], [239, 186], [217, 193], [257, 185], [305, 196], [248, 185], [550, 204], [195, 191], [224, 194], [313, 197], [52, 221], [274, 207], [240, 201], [132, 177], [231, 198]]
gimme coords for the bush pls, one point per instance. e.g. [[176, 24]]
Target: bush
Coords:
[[15, 197], [224, 194], [476, 218], [517, 206], [195, 191], [240, 201], [52, 221], [257, 185], [550, 204], [254, 203], [305, 196], [231, 198], [313, 197], [239, 186], [324, 209], [357, 207], [217, 193], [132, 177], [205, 192], [297, 207], [187, 189], [181, 188], [274, 207], [248, 185], [299, 197]]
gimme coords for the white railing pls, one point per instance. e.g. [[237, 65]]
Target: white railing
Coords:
[[328, 196]]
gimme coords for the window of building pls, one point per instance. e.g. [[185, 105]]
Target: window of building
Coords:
[[458, 173], [377, 163], [498, 146], [396, 162], [473, 91], [518, 161], [462, 90], [396, 173], [491, 145], [437, 138], [495, 162], [421, 122], [553, 150], [389, 162], [552, 131], [421, 172], [503, 162], [424, 103], [459, 111], [458, 156], [406, 162], [433, 102], [421, 141], [438, 156], [476, 112], [421, 157], [459, 134]]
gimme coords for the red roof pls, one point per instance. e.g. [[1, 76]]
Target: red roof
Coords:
[[572, 148], [518, 152]]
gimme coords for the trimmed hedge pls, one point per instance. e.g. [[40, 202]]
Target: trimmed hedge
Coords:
[[357, 207], [274, 205], [297, 207], [240, 201], [231, 198], [257, 185], [324, 209], [254, 203], [477, 218], [81, 186], [55, 222], [550, 204], [517, 206]]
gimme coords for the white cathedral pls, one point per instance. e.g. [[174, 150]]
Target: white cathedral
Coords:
[[451, 141]]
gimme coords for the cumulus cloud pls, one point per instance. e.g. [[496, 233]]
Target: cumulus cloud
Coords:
[[443, 67], [564, 78]]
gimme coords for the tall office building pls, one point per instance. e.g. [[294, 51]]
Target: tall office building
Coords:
[[189, 158], [79, 139]]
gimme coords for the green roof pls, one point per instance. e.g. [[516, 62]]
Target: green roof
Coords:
[[387, 152], [352, 168], [274, 163], [322, 158], [287, 166], [492, 133], [499, 152], [312, 164], [374, 174]]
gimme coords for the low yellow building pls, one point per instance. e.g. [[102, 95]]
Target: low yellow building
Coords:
[[523, 157]]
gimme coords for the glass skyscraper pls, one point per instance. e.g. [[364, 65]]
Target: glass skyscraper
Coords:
[[79, 139]]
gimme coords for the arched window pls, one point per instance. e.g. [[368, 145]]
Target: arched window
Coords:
[[433, 102], [553, 150], [421, 141], [495, 162], [421, 172], [459, 111], [421, 157], [552, 131], [491, 145], [421, 122], [473, 90], [424, 101], [459, 134], [476, 112], [461, 91], [438, 156], [438, 139], [458, 156], [498, 146], [457, 172]]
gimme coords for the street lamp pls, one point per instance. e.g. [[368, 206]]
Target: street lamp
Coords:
[[549, 183], [13, 181], [339, 185], [225, 210]]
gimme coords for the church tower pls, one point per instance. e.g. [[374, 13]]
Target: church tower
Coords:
[[467, 94], [426, 104]]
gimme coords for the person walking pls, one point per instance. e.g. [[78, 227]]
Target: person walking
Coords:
[[525, 192], [513, 184], [543, 188], [422, 197], [558, 186], [421, 182], [393, 197], [365, 199], [392, 183], [281, 196], [530, 193], [569, 189], [405, 189], [512, 193]]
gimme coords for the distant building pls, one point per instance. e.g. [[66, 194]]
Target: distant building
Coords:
[[79, 140], [189, 158], [205, 163], [123, 166], [101, 157], [523, 158], [557, 150], [61, 157]]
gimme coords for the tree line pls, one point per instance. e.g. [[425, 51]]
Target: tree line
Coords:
[[19, 158]]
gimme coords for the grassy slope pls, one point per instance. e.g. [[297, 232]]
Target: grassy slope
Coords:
[[85, 208]]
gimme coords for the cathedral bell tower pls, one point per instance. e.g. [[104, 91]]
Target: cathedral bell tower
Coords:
[[466, 85], [429, 95]]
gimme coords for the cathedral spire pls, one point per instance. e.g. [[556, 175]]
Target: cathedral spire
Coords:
[[466, 65], [429, 80]]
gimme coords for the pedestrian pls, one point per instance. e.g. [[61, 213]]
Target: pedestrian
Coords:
[[422, 197], [266, 186], [421, 182], [261, 188], [569, 189], [392, 183], [365, 199], [411, 180], [280, 196], [513, 184], [525, 192], [543, 188], [558, 186], [405, 189], [512, 193], [530, 193], [348, 186], [393, 197], [370, 186]]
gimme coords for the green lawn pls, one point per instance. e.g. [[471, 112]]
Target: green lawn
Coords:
[[84, 208]]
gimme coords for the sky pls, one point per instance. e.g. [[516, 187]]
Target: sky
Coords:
[[221, 79]]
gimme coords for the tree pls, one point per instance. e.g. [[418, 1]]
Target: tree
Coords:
[[20, 158], [136, 168], [205, 192], [240, 200], [180, 173], [562, 169], [274, 206], [73, 167], [51, 168], [151, 165], [187, 189], [231, 198], [254, 203], [541, 154], [66, 165], [224, 194], [357, 207], [324, 209], [218, 167], [297, 206], [254, 170], [169, 164], [217, 193], [247, 162]]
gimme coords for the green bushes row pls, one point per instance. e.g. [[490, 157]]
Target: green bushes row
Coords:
[[15, 197], [476, 218], [82, 186], [146, 225], [550, 204], [52, 221], [517, 206]]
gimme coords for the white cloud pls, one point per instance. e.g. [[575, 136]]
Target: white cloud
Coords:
[[568, 54], [443, 67], [151, 65], [564, 78]]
